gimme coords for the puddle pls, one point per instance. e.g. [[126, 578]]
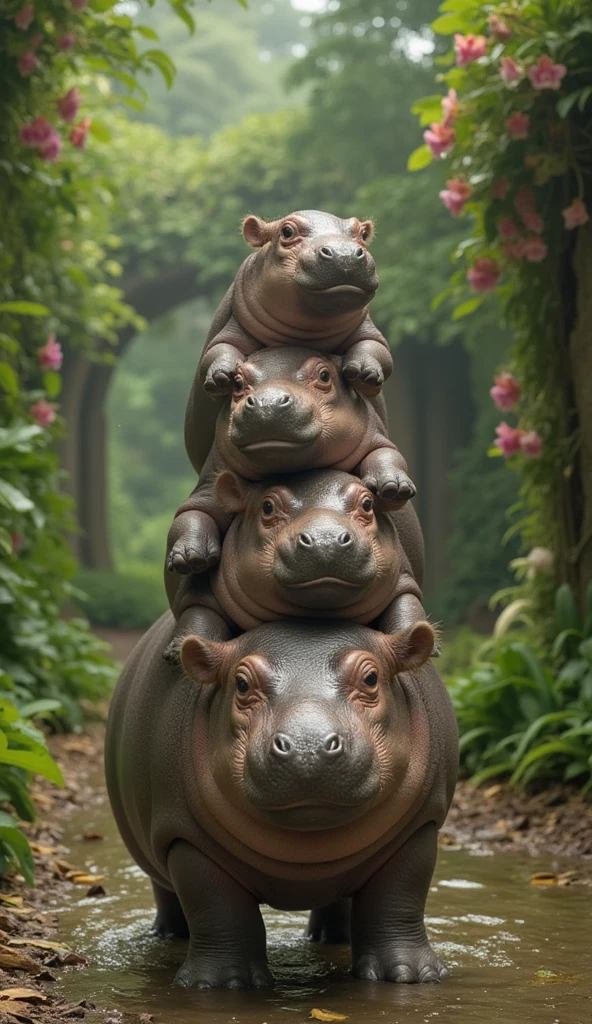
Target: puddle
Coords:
[[486, 922]]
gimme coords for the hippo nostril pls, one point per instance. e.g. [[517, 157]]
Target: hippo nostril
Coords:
[[286, 399], [281, 745], [305, 540], [333, 744], [326, 252], [359, 253], [345, 539], [250, 402]]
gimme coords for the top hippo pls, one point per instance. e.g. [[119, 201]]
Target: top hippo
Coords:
[[309, 283]]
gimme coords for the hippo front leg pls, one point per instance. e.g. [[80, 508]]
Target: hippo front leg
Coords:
[[193, 543], [389, 941], [384, 472], [366, 365], [226, 931]]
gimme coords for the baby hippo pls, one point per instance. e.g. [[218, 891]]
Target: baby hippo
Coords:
[[306, 544], [301, 765], [291, 410]]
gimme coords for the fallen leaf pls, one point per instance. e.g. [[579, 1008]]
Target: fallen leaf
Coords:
[[12, 901], [492, 791], [29, 995], [62, 867], [91, 836], [567, 877], [81, 879], [552, 978], [15, 1008], [326, 1015], [66, 959], [44, 851], [10, 960], [40, 944], [544, 878]]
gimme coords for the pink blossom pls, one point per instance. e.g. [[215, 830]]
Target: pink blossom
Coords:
[[514, 250], [510, 71], [43, 413], [450, 107], [485, 274], [517, 125], [534, 249], [575, 215], [36, 133], [17, 541], [506, 391], [506, 227], [545, 74], [533, 221], [469, 48], [498, 28], [68, 105], [67, 41], [51, 355], [455, 196], [531, 444], [524, 200], [500, 188], [25, 16], [27, 64], [508, 439], [51, 149], [440, 139], [79, 133], [79, 5], [36, 40]]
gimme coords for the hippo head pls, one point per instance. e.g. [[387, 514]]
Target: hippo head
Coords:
[[306, 541], [291, 405], [321, 258], [310, 726]]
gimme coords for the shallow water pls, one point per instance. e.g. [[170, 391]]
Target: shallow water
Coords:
[[494, 929]]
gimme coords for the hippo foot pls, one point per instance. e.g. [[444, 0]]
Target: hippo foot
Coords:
[[172, 652], [364, 372], [219, 380], [187, 557], [194, 974], [394, 488], [405, 963]]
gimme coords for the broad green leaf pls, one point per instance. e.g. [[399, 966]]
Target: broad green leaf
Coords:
[[448, 24], [100, 131], [466, 308], [19, 435], [8, 712], [164, 64], [12, 498], [420, 158], [146, 32], [565, 103], [8, 379], [11, 835], [38, 707], [24, 308], [52, 382], [459, 5]]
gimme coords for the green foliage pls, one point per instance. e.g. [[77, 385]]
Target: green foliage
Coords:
[[528, 714], [132, 598]]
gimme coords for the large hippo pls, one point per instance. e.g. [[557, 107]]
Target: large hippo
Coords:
[[290, 410], [302, 544], [297, 765]]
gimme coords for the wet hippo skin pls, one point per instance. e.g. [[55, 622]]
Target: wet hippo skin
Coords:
[[299, 765], [291, 410]]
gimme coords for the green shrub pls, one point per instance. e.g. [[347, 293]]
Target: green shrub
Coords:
[[128, 599]]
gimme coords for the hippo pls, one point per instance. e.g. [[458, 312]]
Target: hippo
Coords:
[[302, 544], [290, 410], [302, 765]]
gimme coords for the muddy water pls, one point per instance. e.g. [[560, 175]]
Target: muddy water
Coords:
[[517, 952]]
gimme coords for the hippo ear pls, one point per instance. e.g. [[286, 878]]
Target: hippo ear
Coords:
[[232, 492], [257, 231], [367, 231], [202, 659], [412, 647]]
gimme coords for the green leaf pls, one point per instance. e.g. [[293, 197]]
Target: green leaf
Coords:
[[52, 382], [466, 308], [163, 63], [459, 5], [545, 750], [149, 33], [11, 498], [420, 158], [24, 308], [38, 707], [13, 838], [8, 379], [18, 436], [565, 103], [448, 24], [566, 610], [182, 13], [8, 712], [100, 131]]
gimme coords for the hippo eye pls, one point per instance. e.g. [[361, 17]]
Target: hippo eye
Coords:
[[238, 385], [242, 684], [367, 505], [268, 507], [371, 679], [288, 231], [324, 376]]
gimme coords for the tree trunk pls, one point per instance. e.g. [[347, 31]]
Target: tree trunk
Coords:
[[580, 348]]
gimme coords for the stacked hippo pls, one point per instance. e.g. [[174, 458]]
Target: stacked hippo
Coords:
[[281, 736]]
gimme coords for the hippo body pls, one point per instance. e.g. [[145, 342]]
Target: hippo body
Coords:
[[297, 765], [291, 410]]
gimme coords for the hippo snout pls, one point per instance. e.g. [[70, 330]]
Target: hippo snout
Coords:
[[339, 266], [271, 415]]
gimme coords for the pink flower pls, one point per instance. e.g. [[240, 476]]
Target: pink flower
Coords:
[[25, 16], [79, 5], [27, 64], [440, 139], [68, 105], [534, 249], [524, 200], [51, 355], [469, 48], [43, 413], [450, 107], [531, 444], [17, 540], [485, 274], [36, 133], [508, 439], [456, 195], [575, 214], [67, 41], [36, 40], [533, 221], [500, 188], [79, 133], [514, 250], [545, 74], [506, 227], [506, 391], [51, 149], [498, 28], [517, 125], [510, 71]]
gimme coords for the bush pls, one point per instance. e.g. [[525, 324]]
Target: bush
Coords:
[[131, 599]]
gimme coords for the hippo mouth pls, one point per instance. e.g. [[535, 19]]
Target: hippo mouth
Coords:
[[270, 442], [344, 289], [323, 581], [306, 816]]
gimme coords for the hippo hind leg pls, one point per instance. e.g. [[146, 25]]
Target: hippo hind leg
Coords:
[[330, 924], [170, 921]]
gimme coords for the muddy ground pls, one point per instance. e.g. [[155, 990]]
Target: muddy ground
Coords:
[[553, 823]]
